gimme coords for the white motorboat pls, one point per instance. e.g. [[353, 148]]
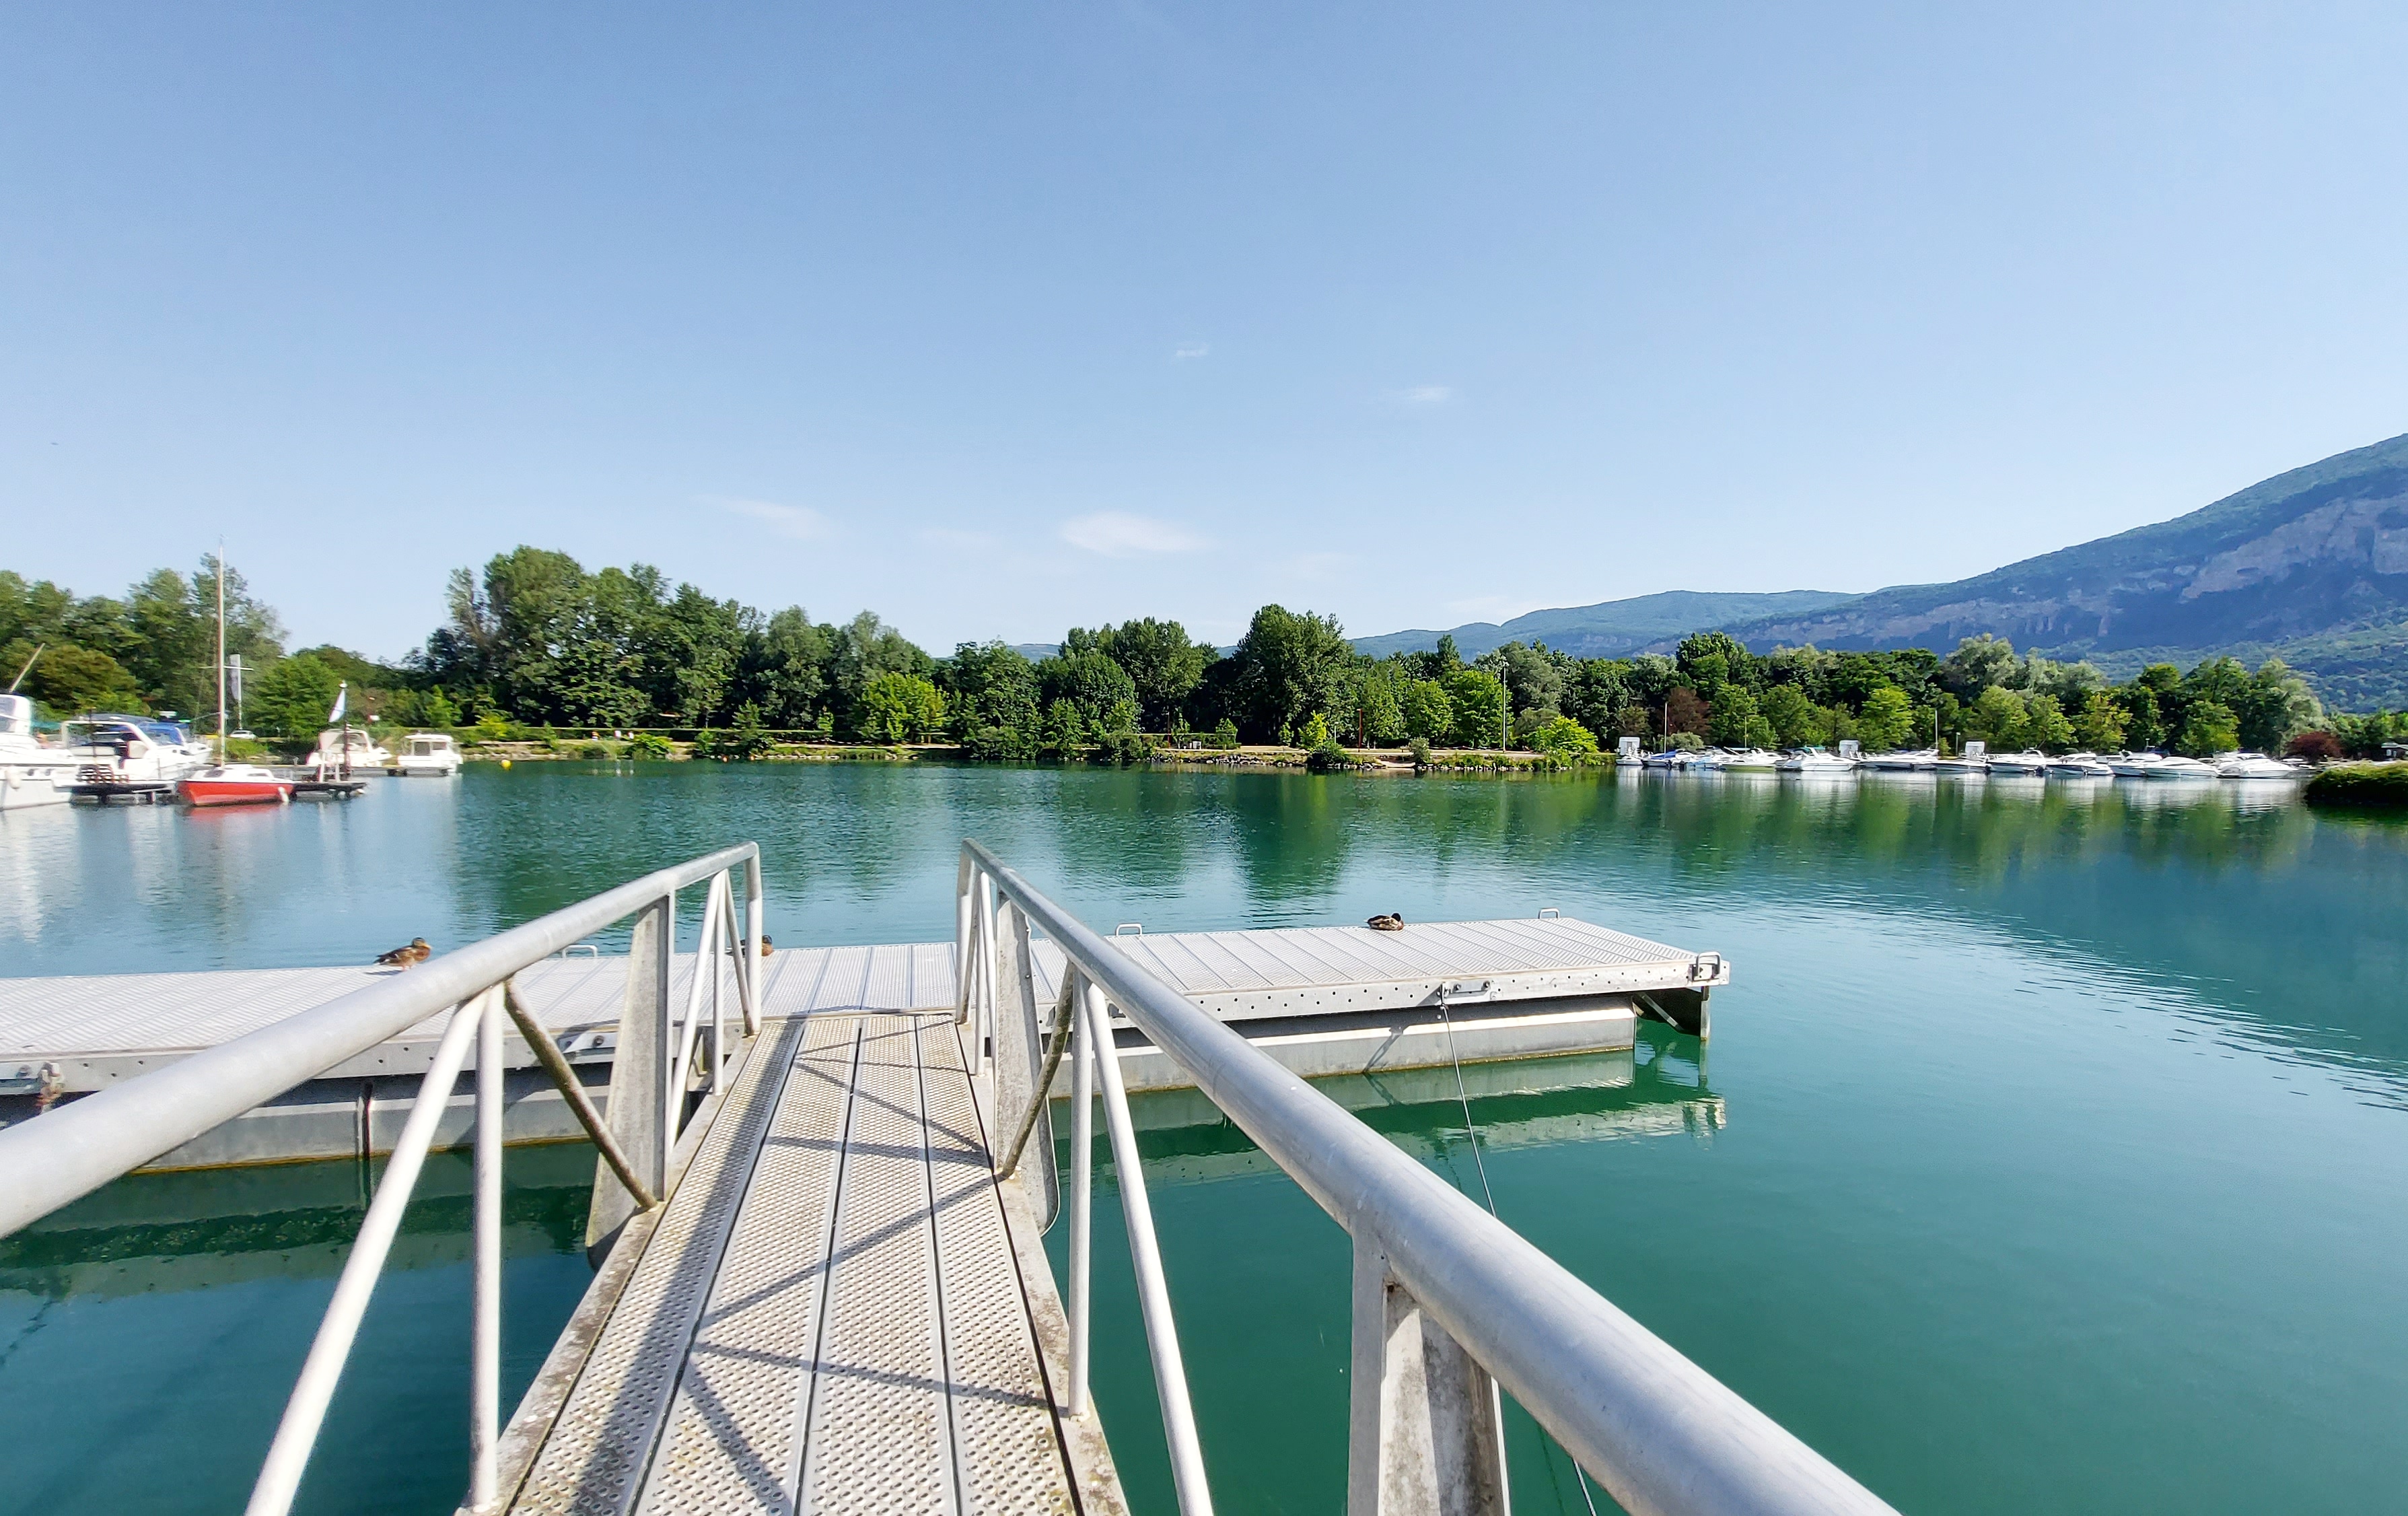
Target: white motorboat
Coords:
[[1974, 758], [428, 754], [2133, 765], [1904, 762], [2254, 766], [30, 774], [2181, 768], [1815, 760], [131, 749], [1749, 761], [2080, 766], [2025, 762], [348, 751]]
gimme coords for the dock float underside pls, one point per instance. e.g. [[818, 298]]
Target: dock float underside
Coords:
[[839, 1309]]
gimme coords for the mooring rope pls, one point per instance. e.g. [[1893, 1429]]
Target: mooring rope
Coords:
[[1471, 1132]]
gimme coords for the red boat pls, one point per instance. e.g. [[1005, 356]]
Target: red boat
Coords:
[[234, 783]]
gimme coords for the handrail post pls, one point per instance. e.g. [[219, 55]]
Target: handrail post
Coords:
[[961, 946], [297, 1433], [1083, 1187], [636, 1106], [1424, 1437], [1153, 1290], [485, 1335], [752, 912]]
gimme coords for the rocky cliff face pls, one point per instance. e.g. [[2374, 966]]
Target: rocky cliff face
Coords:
[[2310, 565]]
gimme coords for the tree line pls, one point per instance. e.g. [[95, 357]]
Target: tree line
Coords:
[[535, 639]]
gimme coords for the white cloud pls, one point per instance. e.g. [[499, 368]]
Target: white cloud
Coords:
[[1423, 396], [1116, 534], [799, 522], [1185, 350]]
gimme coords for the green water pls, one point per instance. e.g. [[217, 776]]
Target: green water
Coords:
[[2048, 1155]]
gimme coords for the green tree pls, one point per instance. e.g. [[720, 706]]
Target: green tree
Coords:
[[1737, 721], [1088, 678], [1885, 720], [67, 680], [1380, 704], [1999, 717], [1065, 732], [1480, 715], [2276, 706], [899, 708], [992, 691], [2208, 727], [1429, 715], [1796, 721], [2099, 727], [292, 698], [2048, 728], [1563, 738], [1289, 665], [1979, 663], [1164, 665], [1315, 732]]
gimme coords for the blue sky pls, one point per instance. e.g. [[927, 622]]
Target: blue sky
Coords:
[[1000, 319]]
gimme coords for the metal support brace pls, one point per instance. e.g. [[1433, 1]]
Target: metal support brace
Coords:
[[572, 1089], [640, 1076], [1423, 1434]]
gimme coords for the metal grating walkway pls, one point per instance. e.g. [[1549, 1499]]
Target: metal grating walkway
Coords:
[[833, 1313]]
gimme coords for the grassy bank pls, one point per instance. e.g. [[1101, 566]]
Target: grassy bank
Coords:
[[2361, 784]]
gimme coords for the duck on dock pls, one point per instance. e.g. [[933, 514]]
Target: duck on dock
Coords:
[[1388, 921], [407, 957]]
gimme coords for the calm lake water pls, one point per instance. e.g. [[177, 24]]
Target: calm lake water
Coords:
[[2049, 1154]]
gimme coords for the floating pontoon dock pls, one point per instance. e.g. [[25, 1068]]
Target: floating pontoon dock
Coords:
[[820, 1189], [1321, 1000]]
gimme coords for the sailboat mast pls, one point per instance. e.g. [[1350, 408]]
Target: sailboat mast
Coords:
[[222, 725]]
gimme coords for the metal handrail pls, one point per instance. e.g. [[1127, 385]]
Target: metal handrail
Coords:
[[70, 1151], [75, 1148], [1660, 1434]]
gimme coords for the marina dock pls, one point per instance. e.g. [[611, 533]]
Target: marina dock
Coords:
[[821, 1179], [1321, 1000], [839, 1309]]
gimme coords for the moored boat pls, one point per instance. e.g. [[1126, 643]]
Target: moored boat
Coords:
[[2080, 766], [2254, 766], [1749, 761], [2181, 768], [1815, 760], [344, 752], [234, 783], [2133, 765], [2025, 762], [1904, 762], [1975, 758], [30, 773], [428, 753]]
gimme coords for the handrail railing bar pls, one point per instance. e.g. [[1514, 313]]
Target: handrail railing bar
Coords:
[[1083, 1167], [296, 1431], [1659, 1432], [1154, 1293], [485, 1332], [77, 1146], [563, 1078]]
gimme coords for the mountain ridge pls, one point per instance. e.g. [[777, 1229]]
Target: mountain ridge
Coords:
[[2310, 564]]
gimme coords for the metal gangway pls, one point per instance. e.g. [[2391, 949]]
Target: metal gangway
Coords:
[[820, 1282]]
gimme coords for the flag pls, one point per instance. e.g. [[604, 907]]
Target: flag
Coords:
[[234, 673], [342, 703]]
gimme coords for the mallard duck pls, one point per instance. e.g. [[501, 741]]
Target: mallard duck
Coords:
[[1389, 922], [765, 945], [415, 953]]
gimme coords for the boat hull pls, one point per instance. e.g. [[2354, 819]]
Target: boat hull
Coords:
[[202, 792]]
